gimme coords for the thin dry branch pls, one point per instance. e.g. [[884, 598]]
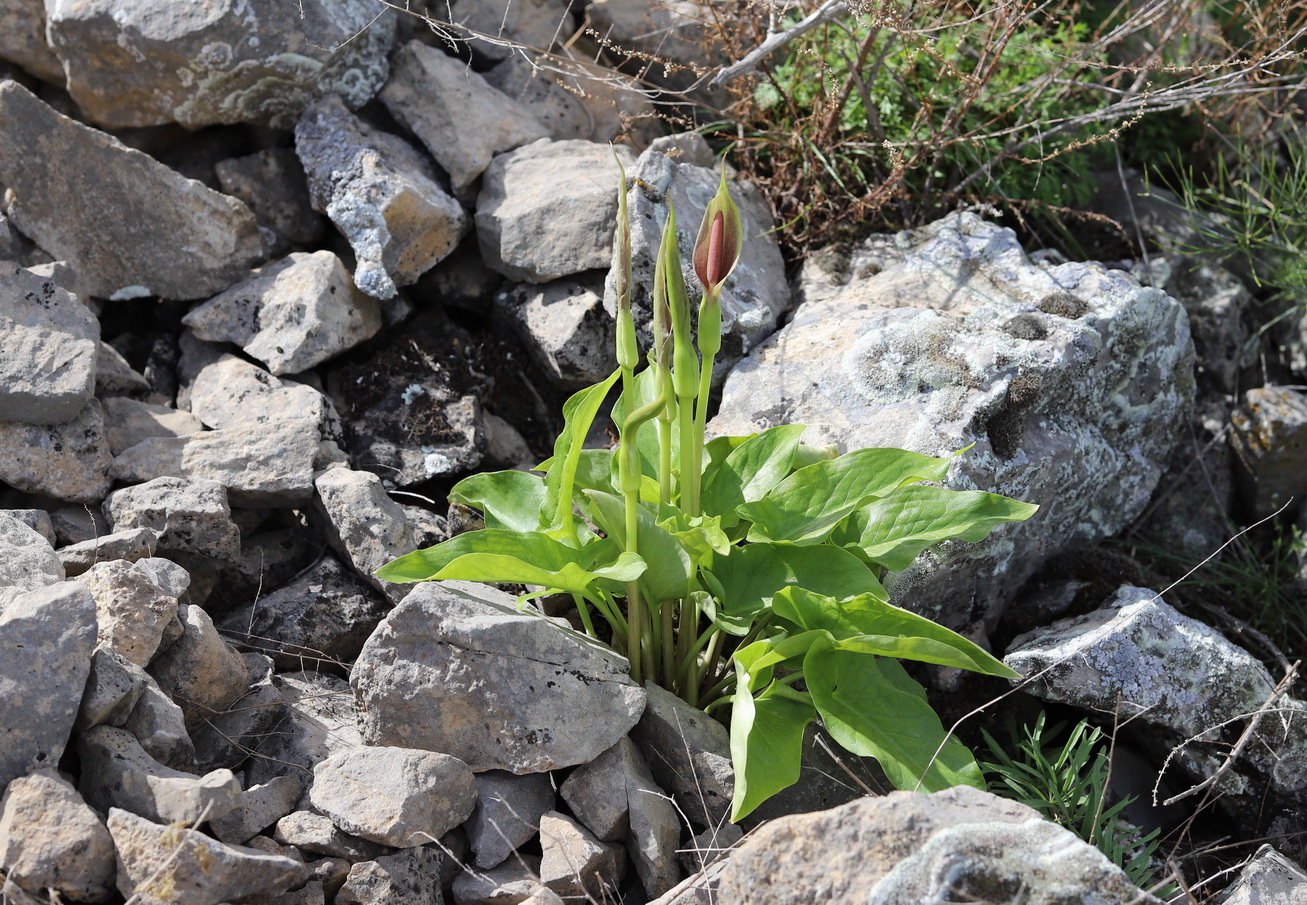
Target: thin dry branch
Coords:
[[827, 12]]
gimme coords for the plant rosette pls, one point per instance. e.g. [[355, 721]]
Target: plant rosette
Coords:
[[738, 571]]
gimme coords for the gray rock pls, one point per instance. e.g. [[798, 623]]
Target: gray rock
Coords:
[[563, 114], [168, 576], [755, 294], [363, 524], [201, 671], [1268, 879], [67, 461], [679, 32], [707, 849], [318, 621], [462, 120], [46, 639], [159, 865], [53, 164], [509, 884], [316, 834], [151, 62], [113, 687], [74, 524], [261, 466], [132, 612], [689, 754], [965, 342], [1269, 429], [233, 393], [655, 828], [187, 516], [27, 561], [272, 184], [128, 422], [160, 726], [47, 373], [114, 376], [51, 839], [320, 721], [292, 314], [495, 32], [130, 546], [268, 559], [457, 668], [564, 326], [531, 231], [22, 25], [504, 446], [596, 792], [118, 773], [697, 889], [396, 796], [409, 877], [381, 195], [507, 814], [574, 864], [36, 519], [960, 844], [226, 739], [261, 806]]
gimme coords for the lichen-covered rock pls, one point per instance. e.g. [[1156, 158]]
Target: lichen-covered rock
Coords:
[[132, 612], [1070, 383], [457, 668], [141, 228], [1270, 429], [188, 516], [363, 524], [149, 62], [201, 671]]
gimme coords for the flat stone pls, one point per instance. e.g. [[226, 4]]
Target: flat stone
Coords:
[[461, 118], [188, 516], [272, 184], [457, 668], [151, 62], [319, 620], [113, 687], [51, 839], [530, 231], [67, 461], [53, 164], [363, 524], [161, 865], [132, 612], [129, 421], [596, 792], [958, 339], [507, 814], [316, 834], [47, 373], [655, 828], [509, 884], [564, 326], [118, 773], [261, 466], [130, 545], [409, 877], [396, 796], [292, 314], [46, 639], [201, 671], [575, 864], [381, 195], [232, 393], [261, 806], [27, 561]]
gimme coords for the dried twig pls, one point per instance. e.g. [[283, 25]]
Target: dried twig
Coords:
[[828, 11]]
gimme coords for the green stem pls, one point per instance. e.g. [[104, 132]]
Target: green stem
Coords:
[[584, 610], [689, 477], [709, 666], [668, 642]]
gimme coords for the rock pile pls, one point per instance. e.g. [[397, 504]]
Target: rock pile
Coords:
[[226, 351]]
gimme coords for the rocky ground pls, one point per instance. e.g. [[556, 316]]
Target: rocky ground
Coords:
[[262, 302]]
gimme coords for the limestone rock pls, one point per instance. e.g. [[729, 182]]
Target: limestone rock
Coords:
[[363, 524], [67, 461], [51, 839], [1268, 879], [160, 865], [132, 612], [396, 796], [200, 670], [47, 373], [495, 33], [574, 863], [150, 62], [160, 726], [531, 231], [46, 639], [596, 791], [316, 834], [114, 376], [381, 195], [113, 687], [509, 884], [320, 721], [565, 327], [261, 806], [1269, 431], [128, 422], [53, 164], [189, 516], [23, 41], [292, 314], [27, 561], [960, 340], [457, 668], [655, 828], [689, 754], [233, 393], [507, 814], [408, 877], [272, 184]]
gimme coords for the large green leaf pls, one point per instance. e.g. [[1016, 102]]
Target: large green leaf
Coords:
[[514, 500], [892, 530], [874, 709], [807, 505], [750, 471], [578, 414], [884, 629], [766, 743], [670, 575], [750, 575]]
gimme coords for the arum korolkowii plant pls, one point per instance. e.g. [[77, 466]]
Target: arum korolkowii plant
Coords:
[[738, 572]]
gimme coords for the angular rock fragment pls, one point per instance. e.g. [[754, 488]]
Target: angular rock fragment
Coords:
[[363, 524], [409, 877], [226, 739], [23, 41], [261, 466], [531, 231], [233, 393], [495, 33], [565, 327], [596, 792], [381, 195], [396, 796], [689, 754], [320, 721], [53, 164], [159, 865], [507, 813], [1268, 878], [655, 828], [1269, 430], [558, 110], [47, 372], [574, 863], [27, 561], [200, 670], [509, 884], [457, 668], [316, 834], [51, 839], [160, 726], [462, 120], [67, 461], [272, 183], [261, 806], [113, 687], [132, 612], [128, 422], [292, 314], [188, 516], [114, 376], [46, 639], [153, 62], [118, 773]]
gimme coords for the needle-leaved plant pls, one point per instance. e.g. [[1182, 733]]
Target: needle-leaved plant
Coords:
[[742, 570]]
